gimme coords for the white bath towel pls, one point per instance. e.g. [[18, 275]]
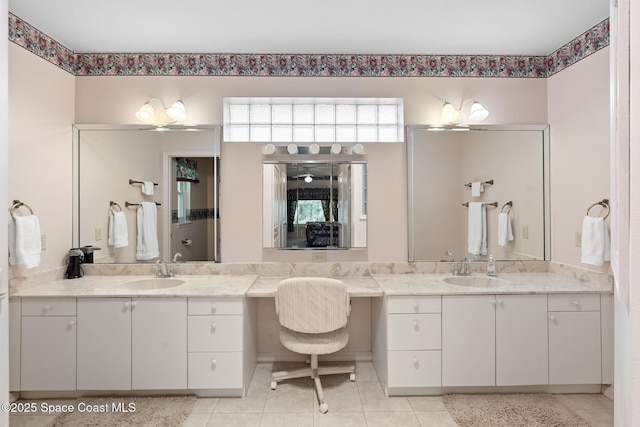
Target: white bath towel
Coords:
[[147, 188], [505, 232], [118, 233], [476, 189], [477, 229], [596, 244], [24, 241], [147, 240]]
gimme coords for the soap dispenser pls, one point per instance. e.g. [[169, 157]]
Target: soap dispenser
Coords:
[[491, 266]]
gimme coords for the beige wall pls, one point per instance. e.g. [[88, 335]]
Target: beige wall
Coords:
[[115, 99], [578, 114], [41, 112], [577, 117]]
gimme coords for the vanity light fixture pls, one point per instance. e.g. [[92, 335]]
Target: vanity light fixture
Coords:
[[314, 149], [269, 149], [336, 149], [451, 115], [358, 149], [292, 149], [175, 113]]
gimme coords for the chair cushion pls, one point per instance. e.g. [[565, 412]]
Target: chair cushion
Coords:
[[302, 343]]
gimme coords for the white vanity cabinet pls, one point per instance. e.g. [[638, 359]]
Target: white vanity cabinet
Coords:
[[48, 344], [215, 343], [104, 343], [159, 343], [492, 340], [575, 349]]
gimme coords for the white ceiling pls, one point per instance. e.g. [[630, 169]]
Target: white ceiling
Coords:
[[449, 27]]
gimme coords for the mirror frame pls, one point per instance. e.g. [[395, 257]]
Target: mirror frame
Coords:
[[166, 164], [545, 132]]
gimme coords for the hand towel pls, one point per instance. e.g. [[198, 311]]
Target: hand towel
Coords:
[[118, 233], [505, 232], [596, 245], [147, 239], [147, 188], [24, 241], [477, 229], [476, 189]]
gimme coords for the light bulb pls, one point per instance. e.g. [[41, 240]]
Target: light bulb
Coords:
[[308, 179], [177, 111], [449, 113], [477, 112], [358, 149], [336, 149], [314, 149], [269, 149], [292, 149]]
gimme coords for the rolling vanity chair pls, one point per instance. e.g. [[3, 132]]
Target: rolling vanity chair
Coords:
[[313, 312]]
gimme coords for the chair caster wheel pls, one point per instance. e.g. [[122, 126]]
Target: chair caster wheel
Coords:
[[352, 376], [274, 384], [324, 408]]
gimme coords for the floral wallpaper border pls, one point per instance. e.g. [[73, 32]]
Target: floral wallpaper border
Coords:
[[321, 65]]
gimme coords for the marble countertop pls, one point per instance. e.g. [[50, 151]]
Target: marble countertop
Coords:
[[508, 283], [362, 286], [119, 286], [376, 285]]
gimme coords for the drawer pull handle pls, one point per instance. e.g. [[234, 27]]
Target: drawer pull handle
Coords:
[[494, 302], [415, 362], [213, 363], [213, 326], [552, 317], [213, 308], [47, 307], [72, 322], [416, 325], [127, 304], [499, 301], [133, 304], [576, 303], [416, 307]]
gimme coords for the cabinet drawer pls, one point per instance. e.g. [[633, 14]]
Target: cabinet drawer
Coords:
[[215, 333], [415, 368], [574, 302], [215, 370], [414, 304], [49, 307], [414, 331], [205, 306]]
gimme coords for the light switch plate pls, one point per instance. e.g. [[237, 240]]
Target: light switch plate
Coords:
[[318, 256], [525, 231], [578, 239], [98, 234], [43, 242]]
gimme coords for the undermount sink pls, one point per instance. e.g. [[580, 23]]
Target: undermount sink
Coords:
[[151, 284], [475, 281]]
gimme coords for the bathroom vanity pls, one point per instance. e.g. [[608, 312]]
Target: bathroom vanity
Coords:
[[202, 334]]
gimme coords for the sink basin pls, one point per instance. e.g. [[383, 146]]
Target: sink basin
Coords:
[[151, 284], [475, 281]]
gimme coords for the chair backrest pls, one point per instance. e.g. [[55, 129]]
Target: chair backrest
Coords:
[[312, 304]]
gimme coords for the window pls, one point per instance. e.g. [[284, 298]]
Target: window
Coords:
[[309, 211], [309, 120], [183, 199]]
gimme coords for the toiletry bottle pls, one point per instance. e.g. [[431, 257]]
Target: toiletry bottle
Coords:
[[491, 267]]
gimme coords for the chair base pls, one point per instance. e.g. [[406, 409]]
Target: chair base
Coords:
[[314, 372]]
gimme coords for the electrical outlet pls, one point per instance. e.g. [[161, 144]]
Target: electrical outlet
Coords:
[[525, 231], [98, 234], [318, 256], [578, 239], [43, 242]]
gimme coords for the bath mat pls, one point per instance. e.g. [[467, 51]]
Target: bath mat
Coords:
[[510, 410], [157, 411]]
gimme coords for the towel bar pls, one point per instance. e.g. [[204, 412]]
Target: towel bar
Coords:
[[113, 205], [494, 204], [16, 204], [127, 204], [604, 203], [490, 182], [131, 181]]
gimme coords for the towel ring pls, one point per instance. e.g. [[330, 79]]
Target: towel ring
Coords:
[[113, 205], [507, 205], [16, 205], [604, 203]]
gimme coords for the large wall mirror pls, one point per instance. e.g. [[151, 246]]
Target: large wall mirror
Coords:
[[181, 165], [314, 205], [512, 162]]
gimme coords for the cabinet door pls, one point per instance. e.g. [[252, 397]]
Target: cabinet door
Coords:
[[104, 344], [521, 340], [159, 343], [468, 340], [574, 348], [48, 353], [15, 318], [415, 368], [222, 370]]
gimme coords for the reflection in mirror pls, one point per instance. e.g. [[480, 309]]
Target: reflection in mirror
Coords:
[[443, 166], [180, 166], [314, 205]]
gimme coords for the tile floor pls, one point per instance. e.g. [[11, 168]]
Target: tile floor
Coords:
[[360, 403]]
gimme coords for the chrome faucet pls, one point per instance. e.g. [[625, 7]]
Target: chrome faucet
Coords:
[[462, 268], [175, 257], [164, 270]]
